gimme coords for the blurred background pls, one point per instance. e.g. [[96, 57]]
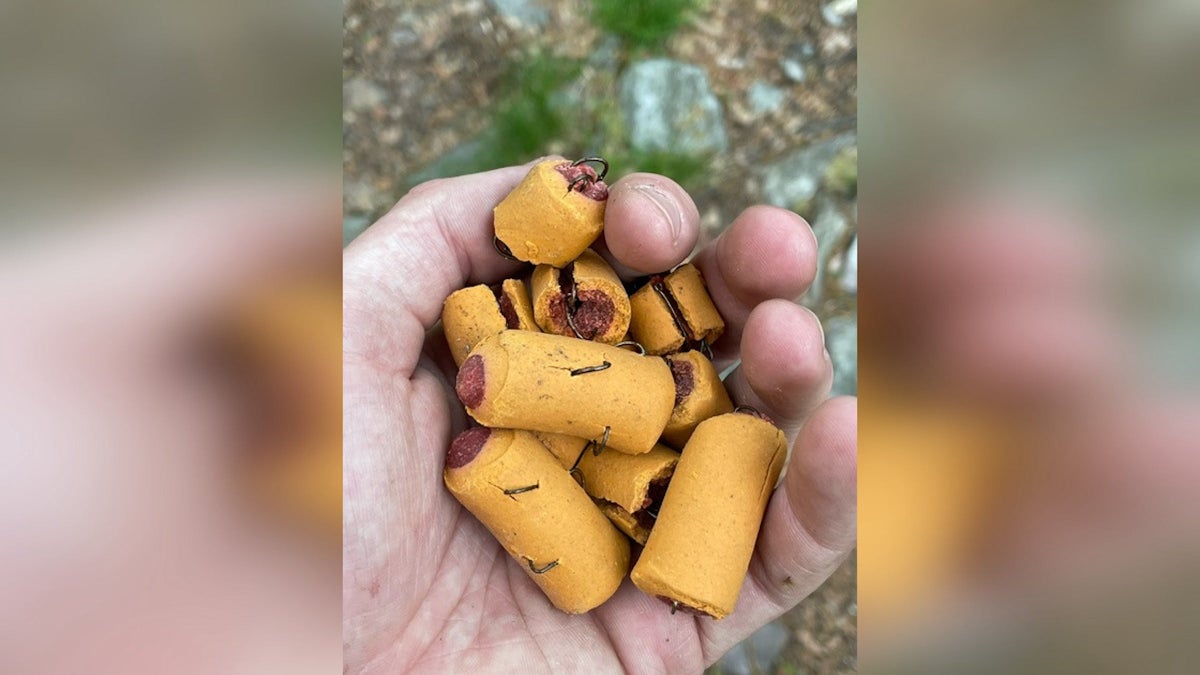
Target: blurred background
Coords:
[[170, 425], [742, 103], [1029, 461]]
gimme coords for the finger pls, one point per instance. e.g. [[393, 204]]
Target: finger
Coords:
[[650, 224], [1029, 354], [954, 258], [785, 371], [766, 253], [810, 526], [177, 254], [435, 240]]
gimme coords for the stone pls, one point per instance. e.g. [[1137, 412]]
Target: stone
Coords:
[[757, 653], [525, 12], [848, 279], [794, 179], [765, 98], [841, 341], [352, 226], [669, 107], [832, 228], [360, 94], [605, 54], [836, 45], [404, 37], [359, 196], [793, 69], [837, 12]]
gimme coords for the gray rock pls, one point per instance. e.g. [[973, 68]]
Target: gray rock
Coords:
[[836, 44], [526, 12], [794, 69], [359, 196], [841, 340], [757, 653], [765, 98], [831, 228], [848, 279], [605, 53], [794, 180], [404, 37], [360, 94], [801, 51], [669, 106], [352, 226], [837, 12]]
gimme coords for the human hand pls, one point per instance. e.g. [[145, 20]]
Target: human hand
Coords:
[[1068, 474], [425, 586], [128, 507]]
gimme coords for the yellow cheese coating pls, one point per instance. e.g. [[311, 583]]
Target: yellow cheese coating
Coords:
[[554, 523], [707, 399], [700, 548], [543, 223], [471, 314], [592, 276], [529, 385]]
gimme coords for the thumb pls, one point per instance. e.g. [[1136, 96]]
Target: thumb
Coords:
[[396, 275]]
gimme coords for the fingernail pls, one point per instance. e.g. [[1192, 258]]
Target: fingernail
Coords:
[[820, 326], [666, 205]]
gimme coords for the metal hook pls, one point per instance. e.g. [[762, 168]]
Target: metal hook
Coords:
[[575, 471], [543, 570], [676, 317], [504, 250], [571, 323], [749, 410], [597, 448], [674, 607], [601, 160], [520, 490], [604, 365], [706, 349], [581, 178], [633, 343], [571, 301]]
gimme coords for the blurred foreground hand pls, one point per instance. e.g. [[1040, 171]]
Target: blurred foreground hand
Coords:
[[1019, 469], [170, 416]]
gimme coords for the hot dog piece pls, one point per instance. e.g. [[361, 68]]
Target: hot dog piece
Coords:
[[539, 514], [585, 299], [699, 395], [471, 314], [554, 214], [556, 384], [700, 548], [628, 488], [674, 311]]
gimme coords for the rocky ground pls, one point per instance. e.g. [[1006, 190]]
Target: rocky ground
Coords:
[[751, 102]]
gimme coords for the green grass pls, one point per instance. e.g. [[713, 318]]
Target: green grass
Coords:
[[646, 24], [527, 118], [683, 169], [535, 114], [842, 174]]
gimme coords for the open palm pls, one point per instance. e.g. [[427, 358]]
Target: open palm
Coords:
[[425, 586]]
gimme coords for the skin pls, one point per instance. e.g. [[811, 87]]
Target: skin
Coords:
[[1009, 308], [425, 587]]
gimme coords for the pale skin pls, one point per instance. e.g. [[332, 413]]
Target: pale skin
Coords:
[[425, 586]]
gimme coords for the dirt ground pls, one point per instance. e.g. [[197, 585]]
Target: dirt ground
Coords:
[[420, 79]]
